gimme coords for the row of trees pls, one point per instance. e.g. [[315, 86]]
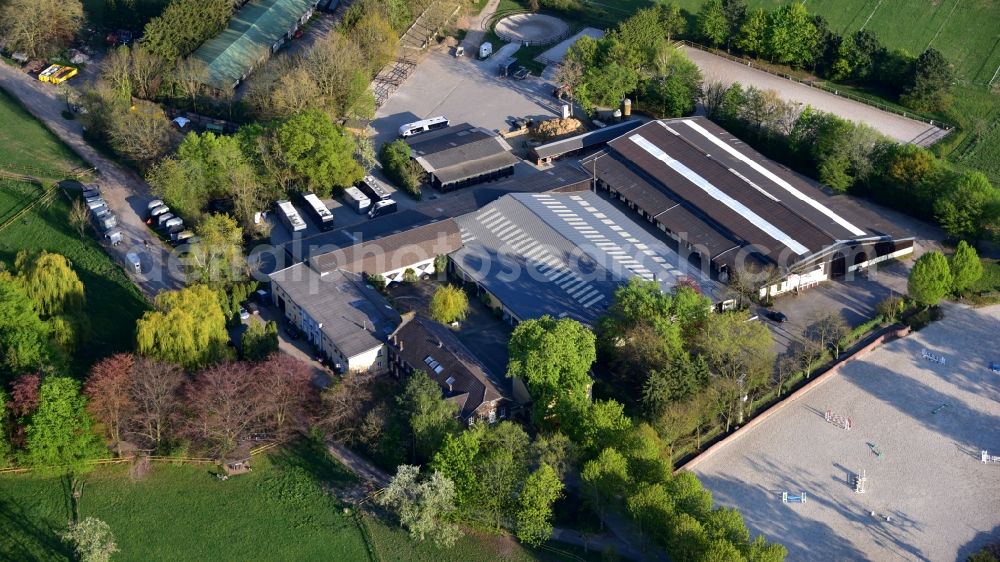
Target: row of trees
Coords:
[[618, 458], [849, 156], [41, 314], [635, 58], [790, 35], [934, 276], [184, 25]]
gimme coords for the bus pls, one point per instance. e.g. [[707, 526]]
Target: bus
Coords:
[[374, 189], [290, 216], [417, 127], [318, 211], [64, 74], [357, 200], [383, 207]]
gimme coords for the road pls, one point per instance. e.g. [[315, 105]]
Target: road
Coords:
[[716, 68], [126, 193]]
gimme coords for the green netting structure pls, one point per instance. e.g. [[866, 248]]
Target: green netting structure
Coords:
[[252, 33]]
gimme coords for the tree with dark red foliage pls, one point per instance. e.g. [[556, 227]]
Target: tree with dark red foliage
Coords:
[[109, 393], [24, 395], [224, 406], [286, 392], [155, 390]]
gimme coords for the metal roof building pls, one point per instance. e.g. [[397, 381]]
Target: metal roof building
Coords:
[[462, 155], [723, 200], [564, 254], [256, 31], [547, 152], [338, 312]]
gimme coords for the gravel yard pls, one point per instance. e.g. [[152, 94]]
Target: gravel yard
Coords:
[[928, 422]]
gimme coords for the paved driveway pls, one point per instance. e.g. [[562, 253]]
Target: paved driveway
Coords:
[[463, 90], [126, 193], [716, 68]]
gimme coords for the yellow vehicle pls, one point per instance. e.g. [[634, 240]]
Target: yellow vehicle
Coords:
[[63, 75], [48, 72]]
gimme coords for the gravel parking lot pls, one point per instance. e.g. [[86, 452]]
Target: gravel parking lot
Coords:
[[929, 422], [463, 90]]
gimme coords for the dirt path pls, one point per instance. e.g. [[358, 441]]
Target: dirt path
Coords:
[[902, 129], [125, 192], [475, 25]]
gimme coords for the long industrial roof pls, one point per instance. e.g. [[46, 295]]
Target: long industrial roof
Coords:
[[703, 183], [248, 38], [565, 254]]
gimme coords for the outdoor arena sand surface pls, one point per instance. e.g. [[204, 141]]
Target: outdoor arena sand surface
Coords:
[[943, 502]]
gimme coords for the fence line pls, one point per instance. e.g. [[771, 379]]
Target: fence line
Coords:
[[819, 86]]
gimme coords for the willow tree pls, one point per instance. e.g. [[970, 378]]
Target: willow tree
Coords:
[[49, 281], [187, 327]]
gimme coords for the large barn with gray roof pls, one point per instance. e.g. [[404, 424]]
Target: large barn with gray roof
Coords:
[[730, 206], [564, 255]]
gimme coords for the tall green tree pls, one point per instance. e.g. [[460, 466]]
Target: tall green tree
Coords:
[[217, 259], [752, 37], [6, 451], [605, 477], [23, 335], [50, 281], [553, 357], [963, 210], [186, 327], [966, 268], [428, 414], [259, 340], [534, 514], [712, 25], [740, 355], [930, 87], [320, 153], [930, 279], [792, 36], [59, 436]]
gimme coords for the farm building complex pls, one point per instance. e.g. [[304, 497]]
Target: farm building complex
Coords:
[[727, 204], [257, 30]]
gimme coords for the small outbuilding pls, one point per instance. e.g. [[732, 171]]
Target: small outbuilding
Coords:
[[462, 155]]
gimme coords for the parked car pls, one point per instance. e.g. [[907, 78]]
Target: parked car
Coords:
[[292, 331], [521, 73], [776, 316], [244, 314]]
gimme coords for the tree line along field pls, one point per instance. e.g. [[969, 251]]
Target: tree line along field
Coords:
[[964, 31], [279, 511], [113, 302]]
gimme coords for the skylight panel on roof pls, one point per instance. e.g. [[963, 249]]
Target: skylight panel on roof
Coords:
[[717, 194], [771, 176]]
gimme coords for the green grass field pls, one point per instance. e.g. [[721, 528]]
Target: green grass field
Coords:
[[113, 302], [27, 147], [277, 512]]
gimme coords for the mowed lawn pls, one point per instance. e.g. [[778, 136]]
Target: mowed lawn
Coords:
[[27, 147], [279, 511], [965, 31], [184, 513]]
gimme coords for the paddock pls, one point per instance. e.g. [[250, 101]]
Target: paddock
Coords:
[[908, 481]]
